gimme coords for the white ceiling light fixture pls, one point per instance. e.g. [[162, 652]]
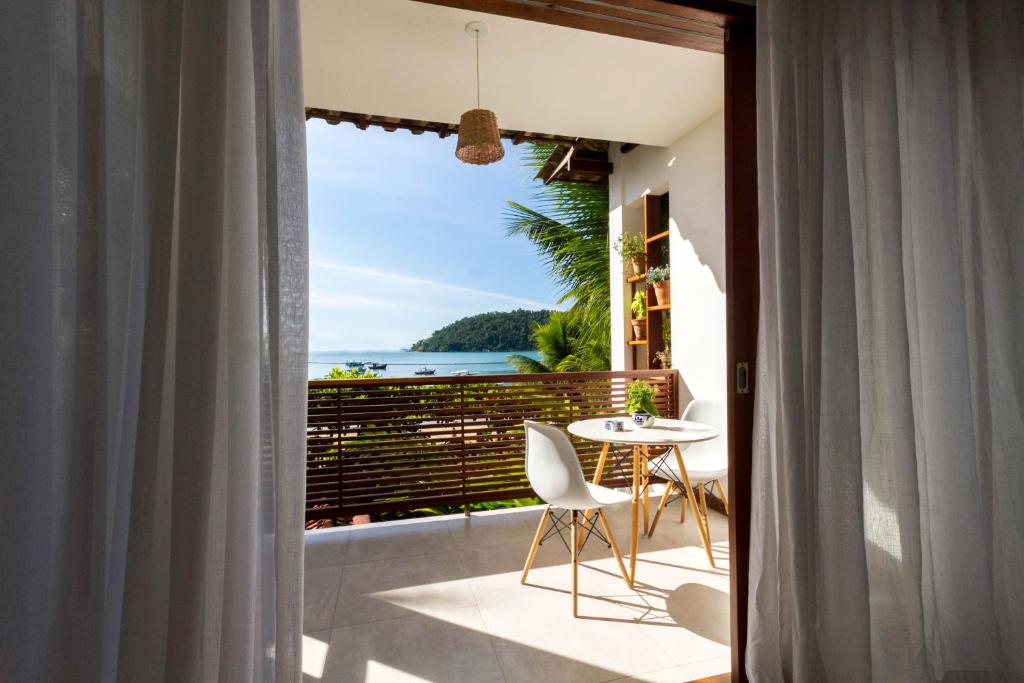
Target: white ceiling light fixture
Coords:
[[479, 140]]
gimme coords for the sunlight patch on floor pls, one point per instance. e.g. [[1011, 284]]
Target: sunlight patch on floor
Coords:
[[314, 657]]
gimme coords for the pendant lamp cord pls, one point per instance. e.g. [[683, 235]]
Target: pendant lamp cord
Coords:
[[477, 33]]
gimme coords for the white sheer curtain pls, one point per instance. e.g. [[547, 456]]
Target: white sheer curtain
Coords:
[[153, 264], [888, 525]]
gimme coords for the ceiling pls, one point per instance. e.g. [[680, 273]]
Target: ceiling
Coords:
[[414, 60]]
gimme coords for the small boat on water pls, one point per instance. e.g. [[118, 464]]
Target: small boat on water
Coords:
[[354, 363], [463, 373], [377, 366], [425, 371]]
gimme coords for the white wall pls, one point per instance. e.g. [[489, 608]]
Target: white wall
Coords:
[[692, 171]]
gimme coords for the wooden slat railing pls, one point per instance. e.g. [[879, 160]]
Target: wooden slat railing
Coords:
[[378, 445]]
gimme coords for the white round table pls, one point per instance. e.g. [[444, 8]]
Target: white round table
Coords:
[[664, 432]]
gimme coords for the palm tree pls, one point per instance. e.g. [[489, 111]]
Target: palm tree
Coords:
[[568, 224], [563, 347]]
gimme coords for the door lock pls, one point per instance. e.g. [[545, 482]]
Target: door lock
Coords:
[[742, 378]]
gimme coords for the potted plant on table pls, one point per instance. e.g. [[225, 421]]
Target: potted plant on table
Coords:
[[630, 246], [639, 308], [658, 278], [640, 403]]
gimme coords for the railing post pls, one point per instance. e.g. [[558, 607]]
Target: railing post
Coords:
[[337, 434], [462, 446], [675, 393]]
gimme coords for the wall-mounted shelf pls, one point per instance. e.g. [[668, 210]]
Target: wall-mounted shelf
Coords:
[[655, 231]]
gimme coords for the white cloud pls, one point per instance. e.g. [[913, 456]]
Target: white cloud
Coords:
[[402, 278], [351, 301]]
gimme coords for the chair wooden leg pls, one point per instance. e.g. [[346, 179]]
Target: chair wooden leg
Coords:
[[613, 544], [598, 473], [536, 543], [635, 531], [575, 558], [682, 505], [701, 529], [721, 493], [661, 506], [647, 488], [704, 515]]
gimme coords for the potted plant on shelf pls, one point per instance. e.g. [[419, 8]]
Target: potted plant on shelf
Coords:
[[630, 246], [665, 358], [640, 404], [658, 278], [639, 308]]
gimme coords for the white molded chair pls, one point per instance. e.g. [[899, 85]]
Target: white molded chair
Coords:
[[706, 462], [554, 471]]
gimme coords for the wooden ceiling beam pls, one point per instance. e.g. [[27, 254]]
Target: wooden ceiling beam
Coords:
[[576, 163], [582, 164], [699, 25], [559, 167]]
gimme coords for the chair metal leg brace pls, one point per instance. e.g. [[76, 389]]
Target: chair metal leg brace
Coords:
[[560, 526], [619, 457], [573, 544]]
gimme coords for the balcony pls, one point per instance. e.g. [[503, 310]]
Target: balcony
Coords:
[[439, 598]]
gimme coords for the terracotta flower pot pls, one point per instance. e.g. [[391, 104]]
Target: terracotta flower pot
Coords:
[[637, 264], [639, 329], [662, 293]]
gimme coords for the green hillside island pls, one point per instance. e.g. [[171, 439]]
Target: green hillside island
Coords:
[[486, 332]]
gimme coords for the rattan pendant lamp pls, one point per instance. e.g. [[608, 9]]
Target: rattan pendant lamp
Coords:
[[479, 140]]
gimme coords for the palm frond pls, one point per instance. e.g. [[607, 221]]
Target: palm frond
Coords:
[[525, 364], [568, 225]]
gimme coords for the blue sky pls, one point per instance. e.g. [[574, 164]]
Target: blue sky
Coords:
[[405, 238]]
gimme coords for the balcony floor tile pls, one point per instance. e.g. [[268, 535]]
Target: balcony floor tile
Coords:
[[394, 541], [422, 584], [414, 648], [440, 600]]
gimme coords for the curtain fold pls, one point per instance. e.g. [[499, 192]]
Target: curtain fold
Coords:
[[889, 453], [153, 265]]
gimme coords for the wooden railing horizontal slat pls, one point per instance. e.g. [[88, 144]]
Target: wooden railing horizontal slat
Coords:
[[380, 445]]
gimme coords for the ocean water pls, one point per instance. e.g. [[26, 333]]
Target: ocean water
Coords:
[[405, 363]]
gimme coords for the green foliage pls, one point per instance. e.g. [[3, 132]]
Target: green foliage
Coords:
[[498, 331], [350, 373], [563, 347], [568, 225], [630, 245], [641, 398], [639, 305], [664, 357], [455, 509], [659, 274]]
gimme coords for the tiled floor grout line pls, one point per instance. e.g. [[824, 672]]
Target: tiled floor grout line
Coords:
[[337, 597]]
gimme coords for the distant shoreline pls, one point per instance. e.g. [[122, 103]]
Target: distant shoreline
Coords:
[[403, 364]]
